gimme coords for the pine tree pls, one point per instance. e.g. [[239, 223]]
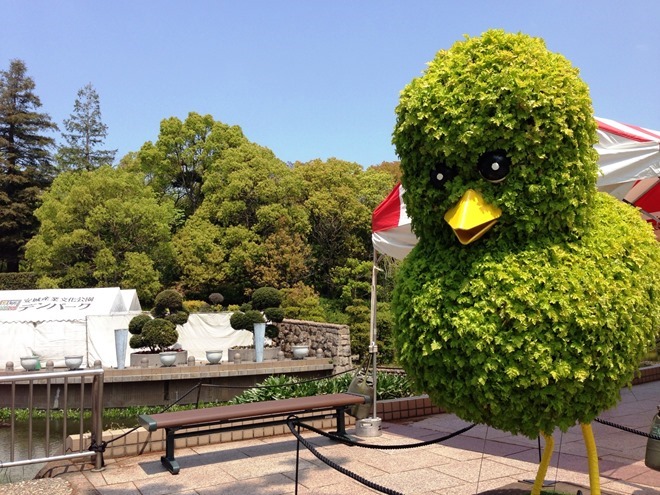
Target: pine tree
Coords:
[[25, 161], [86, 132]]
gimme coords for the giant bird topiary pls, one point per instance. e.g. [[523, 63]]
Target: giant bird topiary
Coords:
[[530, 297]]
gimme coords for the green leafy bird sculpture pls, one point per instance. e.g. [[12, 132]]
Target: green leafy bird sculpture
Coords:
[[530, 297]]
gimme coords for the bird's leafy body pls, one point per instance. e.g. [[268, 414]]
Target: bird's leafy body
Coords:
[[539, 322]]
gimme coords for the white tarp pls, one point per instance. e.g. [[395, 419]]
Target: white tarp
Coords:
[[211, 331], [101, 339]]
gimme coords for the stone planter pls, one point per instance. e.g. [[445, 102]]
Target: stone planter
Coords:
[[248, 354], [153, 360]]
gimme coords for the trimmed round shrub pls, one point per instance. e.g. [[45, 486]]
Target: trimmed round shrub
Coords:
[[266, 297], [246, 321], [178, 318], [275, 315], [136, 341], [193, 306], [216, 298], [167, 302], [159, 334], [253, 316], [238, 321], [136, 324], [272, 332]]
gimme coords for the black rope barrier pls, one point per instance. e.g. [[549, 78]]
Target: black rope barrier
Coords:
[[292, 423], [627, 429], [353, 443]]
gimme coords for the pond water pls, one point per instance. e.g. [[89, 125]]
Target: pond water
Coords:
[[13, 474]]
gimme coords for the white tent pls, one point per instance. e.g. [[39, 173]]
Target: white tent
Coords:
[[52, 323], [630, 170]]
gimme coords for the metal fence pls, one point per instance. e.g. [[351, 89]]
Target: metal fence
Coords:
[[78, 388]]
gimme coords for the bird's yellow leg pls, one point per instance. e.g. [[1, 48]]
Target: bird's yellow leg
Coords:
[[592, 458], [545, 462]]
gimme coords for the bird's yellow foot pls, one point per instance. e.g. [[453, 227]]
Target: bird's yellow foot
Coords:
[[543, 466], [592, 458]]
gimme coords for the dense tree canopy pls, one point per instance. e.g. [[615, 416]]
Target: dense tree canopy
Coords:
[[250, 229], [176, 164], [201, 209], [103, 228], [85, 133], [340, 198], [25, 161]]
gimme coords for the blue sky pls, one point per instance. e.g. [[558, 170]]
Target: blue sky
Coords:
[[307, 79]]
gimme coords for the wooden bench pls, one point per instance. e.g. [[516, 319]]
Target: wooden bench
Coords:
[[227, 418]]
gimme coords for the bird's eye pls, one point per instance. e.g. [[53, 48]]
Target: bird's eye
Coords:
[[494, 166], [441, 174]]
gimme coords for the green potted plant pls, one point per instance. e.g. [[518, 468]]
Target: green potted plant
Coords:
[[155, 335], [259, 317]]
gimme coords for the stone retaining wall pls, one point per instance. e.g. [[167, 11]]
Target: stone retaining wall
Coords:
[[333, 340]]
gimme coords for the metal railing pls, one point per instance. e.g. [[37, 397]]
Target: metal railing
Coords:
[[49, 379]]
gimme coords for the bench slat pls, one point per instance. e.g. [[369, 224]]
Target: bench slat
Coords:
[[246, 411]]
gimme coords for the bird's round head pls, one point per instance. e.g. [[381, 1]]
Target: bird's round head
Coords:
[[496, 139]]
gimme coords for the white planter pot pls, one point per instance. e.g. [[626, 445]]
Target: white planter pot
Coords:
[[73, 362], [300, 351], [167, 358], [214, 357], [29, 363]]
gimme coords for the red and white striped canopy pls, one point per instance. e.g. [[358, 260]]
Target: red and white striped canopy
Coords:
[[629, 162]]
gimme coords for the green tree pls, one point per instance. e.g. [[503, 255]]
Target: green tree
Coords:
[[103, 228], [86, 133], [25, 161], [340, 198], [392, 168], [176, 164], [250, 230]]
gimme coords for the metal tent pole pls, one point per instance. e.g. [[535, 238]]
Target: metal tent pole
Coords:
[[370, 427], [373, 347]]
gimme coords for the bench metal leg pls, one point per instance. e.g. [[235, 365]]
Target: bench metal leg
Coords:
[[168, 459], [341, 422]]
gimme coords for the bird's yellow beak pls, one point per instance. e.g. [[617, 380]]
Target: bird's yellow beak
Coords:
[[472, 217]]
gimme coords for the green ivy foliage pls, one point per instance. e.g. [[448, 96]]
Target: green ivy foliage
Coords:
[[276, 387], [539, 323]]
